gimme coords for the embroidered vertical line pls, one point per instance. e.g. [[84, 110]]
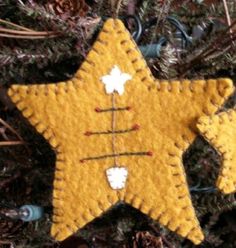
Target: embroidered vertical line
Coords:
[[113, 128]]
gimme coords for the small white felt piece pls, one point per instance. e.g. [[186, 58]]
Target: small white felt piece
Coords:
[[115, 81], [117, 177]]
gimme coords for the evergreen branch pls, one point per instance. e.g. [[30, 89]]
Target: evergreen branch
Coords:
[[68, 26], [32, 37], [11, 24], [46, 52], [20, 32], [217, 46]]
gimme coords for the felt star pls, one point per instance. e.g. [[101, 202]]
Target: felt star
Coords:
[[220, 131], [145, 131]]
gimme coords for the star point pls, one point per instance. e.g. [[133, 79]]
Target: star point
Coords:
[[220, 131]]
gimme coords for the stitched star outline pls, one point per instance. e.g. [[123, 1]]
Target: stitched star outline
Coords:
[[155, 124]]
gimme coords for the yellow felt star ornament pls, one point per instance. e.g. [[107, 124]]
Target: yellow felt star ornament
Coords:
[[220, 131], [119, 135]]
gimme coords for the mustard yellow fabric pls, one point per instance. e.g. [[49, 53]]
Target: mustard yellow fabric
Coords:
[[166, 113], [220, 131]]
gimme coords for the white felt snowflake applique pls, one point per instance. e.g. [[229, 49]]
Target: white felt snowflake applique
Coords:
[[117, 177], [115, 81]]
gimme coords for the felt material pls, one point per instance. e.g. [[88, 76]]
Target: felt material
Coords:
[[161, 115], [220, 131]]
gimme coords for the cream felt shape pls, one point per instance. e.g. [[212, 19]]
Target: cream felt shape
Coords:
[[117, 177], [115, 81]]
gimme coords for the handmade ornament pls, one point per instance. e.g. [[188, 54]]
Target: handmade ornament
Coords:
[[119, 135], [220, 131]]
